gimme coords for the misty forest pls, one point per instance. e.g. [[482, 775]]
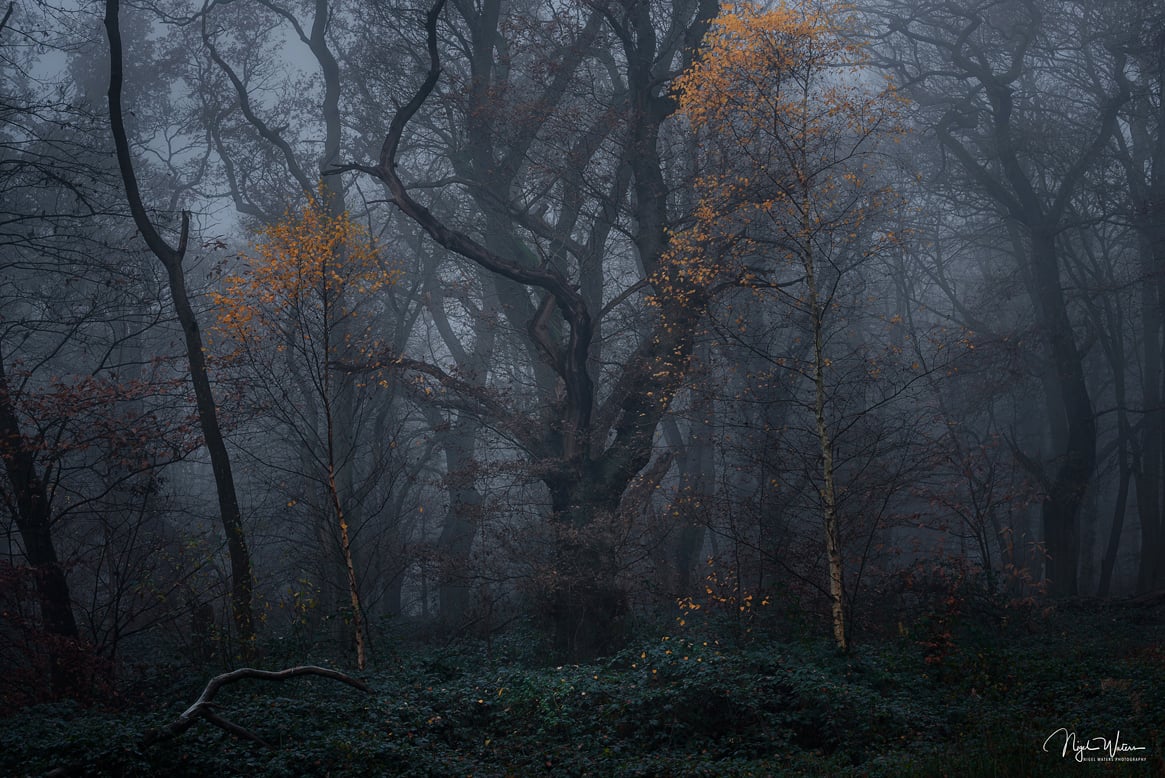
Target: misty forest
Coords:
[[582, 387]]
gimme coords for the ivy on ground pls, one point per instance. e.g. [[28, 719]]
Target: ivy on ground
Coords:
[[673, 705]]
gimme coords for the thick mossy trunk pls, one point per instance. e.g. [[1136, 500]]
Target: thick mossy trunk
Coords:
[[585, 601]]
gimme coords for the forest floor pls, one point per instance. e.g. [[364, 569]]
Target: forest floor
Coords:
[[1079, 689]]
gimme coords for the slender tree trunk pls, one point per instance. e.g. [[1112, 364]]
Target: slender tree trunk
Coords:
[[350, 567], [329, 392], [828, 487], [171, 259], [228, 501], [1124, 467], [817, 313], [1117, 527]]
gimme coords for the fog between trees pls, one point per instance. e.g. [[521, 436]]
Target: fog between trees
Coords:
[[586, 318]]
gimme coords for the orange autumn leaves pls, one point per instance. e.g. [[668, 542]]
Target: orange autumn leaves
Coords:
[[756, 65], [308, 284], [788, 126], [786, 121]]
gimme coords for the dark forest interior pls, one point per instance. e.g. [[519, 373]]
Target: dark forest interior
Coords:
[[582, 387]]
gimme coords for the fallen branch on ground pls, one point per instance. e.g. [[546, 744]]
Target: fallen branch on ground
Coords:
[[203, 707]]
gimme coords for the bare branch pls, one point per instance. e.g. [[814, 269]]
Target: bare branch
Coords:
[[269, 134], [573, 366], [7, 15]]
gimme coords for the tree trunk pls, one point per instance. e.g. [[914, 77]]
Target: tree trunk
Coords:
[[828, 487], [1124, 466], [1148, 476], [586, 489], [1068, 486], [171, 259], [1149, 222], [34, 523], [695, 491], [1118, 522], [460, 526], [228, 503], [587, 606]]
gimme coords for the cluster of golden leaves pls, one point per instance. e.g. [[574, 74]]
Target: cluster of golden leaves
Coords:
[[305, 275], [780, 102], [751, 53]]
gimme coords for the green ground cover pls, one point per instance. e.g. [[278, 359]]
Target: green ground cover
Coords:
[[675, 705]]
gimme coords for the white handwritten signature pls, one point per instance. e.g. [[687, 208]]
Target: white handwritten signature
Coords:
[[1081, 748]]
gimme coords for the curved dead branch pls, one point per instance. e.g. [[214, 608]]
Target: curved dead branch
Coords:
[[203, 706]]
